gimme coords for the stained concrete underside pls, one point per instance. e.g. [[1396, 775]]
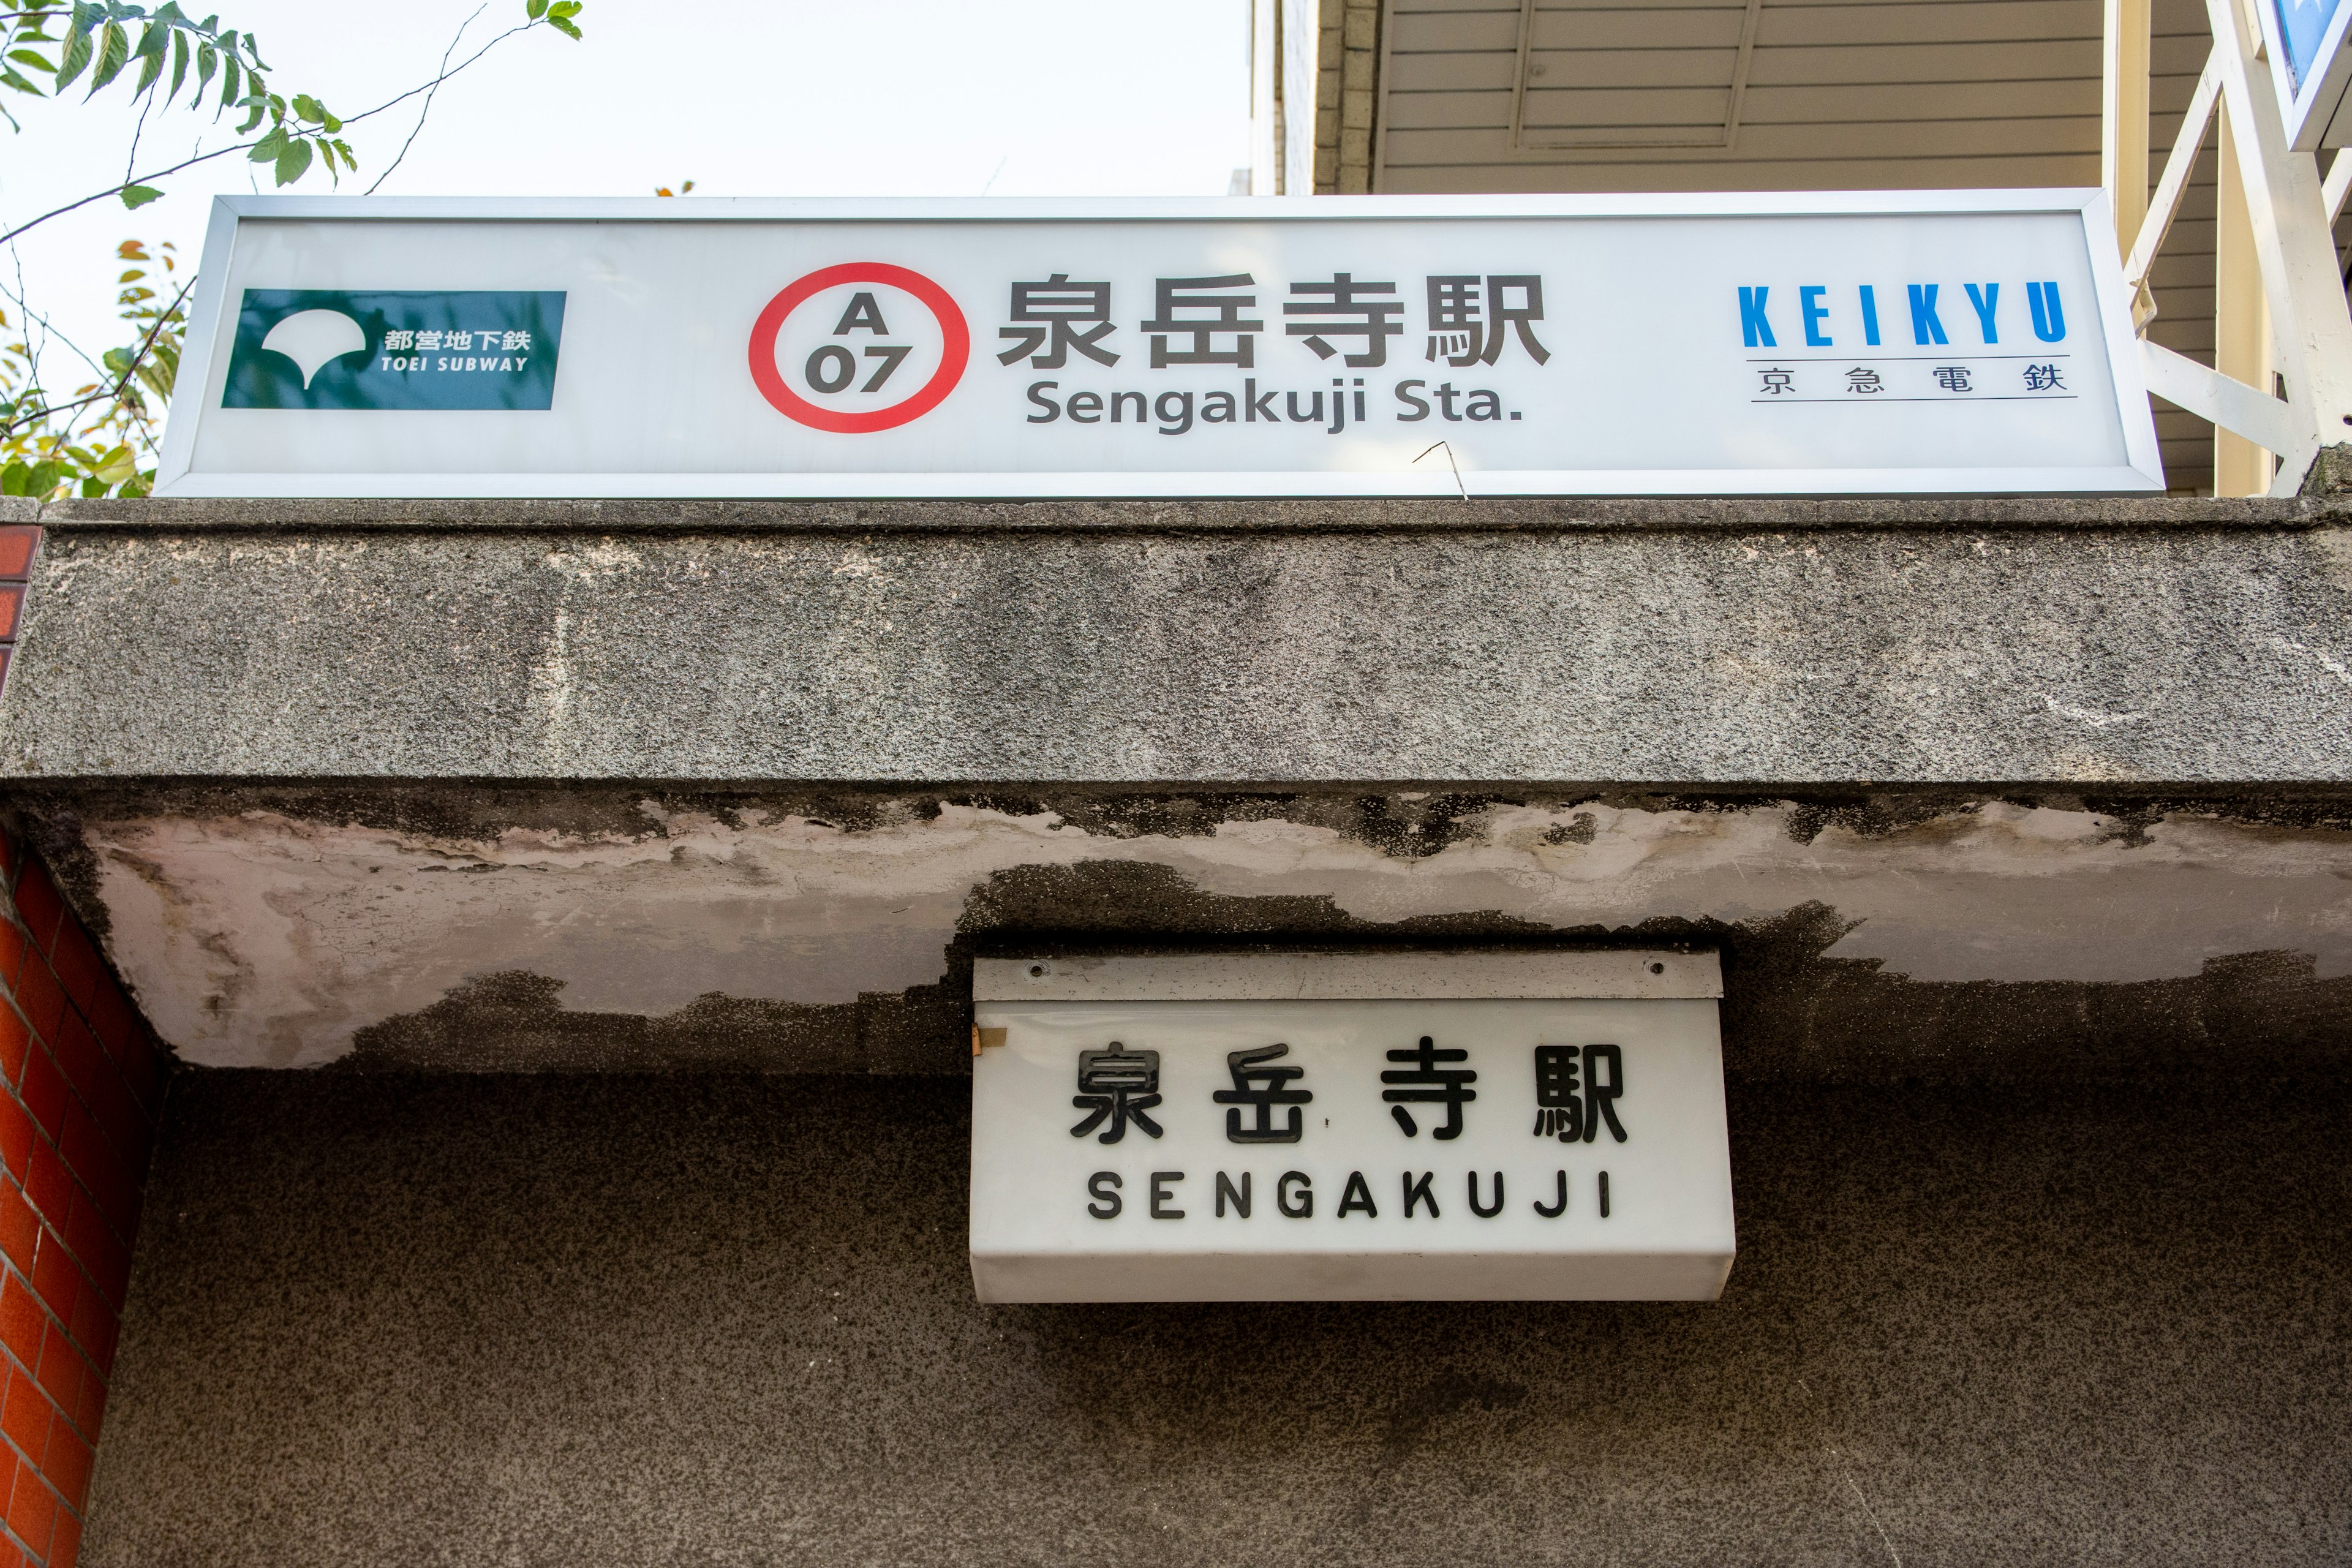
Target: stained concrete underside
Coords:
[[1960, 786], [380, 1320], [1947, 936]]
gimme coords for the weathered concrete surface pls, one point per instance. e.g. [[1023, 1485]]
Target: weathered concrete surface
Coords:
[[598, 928], [2324, 504], [2172, 652], [382, 1320], [658, 784]]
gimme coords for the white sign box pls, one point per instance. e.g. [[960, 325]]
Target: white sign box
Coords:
[[1284, 1128], [1856, 343]]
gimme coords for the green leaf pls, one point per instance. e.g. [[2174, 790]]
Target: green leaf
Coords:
[[163, 366], [117, 465], [267, 149], [76, 55], [16, 478], [293, 161], [307, 108], [155, 376], [27, 57], [42, 478], [113, 54], [9, 78], [91, 489], [136, 196], [534, 9], [149, 65], [207, 62], [568, 29], [179, 64]]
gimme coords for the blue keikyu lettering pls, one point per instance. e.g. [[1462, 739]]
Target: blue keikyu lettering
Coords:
[[1869, 315], [1752, 324], [1985, 299], [1809, 305], [2049, 320], [1925, 327]]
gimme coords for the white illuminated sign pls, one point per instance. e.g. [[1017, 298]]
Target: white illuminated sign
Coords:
[[1842, 343], [1422, 1127]]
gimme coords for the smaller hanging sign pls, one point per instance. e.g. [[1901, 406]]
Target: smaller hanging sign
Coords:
[[1349, 1127]]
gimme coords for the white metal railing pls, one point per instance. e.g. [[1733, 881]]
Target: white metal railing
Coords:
[[2281, 322]]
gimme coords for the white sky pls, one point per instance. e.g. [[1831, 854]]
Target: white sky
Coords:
[[770, 98]]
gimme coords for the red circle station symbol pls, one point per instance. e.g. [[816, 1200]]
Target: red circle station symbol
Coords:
[[955, 348]]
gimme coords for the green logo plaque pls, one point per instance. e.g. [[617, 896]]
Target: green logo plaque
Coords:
[[335, 348]]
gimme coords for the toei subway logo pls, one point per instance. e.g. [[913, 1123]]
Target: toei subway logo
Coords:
[[860, 347]]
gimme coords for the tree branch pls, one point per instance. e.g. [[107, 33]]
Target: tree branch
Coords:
[[418, 128], [122, 383], [426, 87], [101, 195], [139, 355]]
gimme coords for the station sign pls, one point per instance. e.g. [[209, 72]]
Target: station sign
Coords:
[[1349, 1127], [1953, 342]]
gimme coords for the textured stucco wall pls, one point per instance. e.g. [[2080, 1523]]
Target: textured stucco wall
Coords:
[[382, 1319]]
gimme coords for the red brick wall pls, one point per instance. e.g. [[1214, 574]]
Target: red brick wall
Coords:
[[80, 1085], [17, 543]]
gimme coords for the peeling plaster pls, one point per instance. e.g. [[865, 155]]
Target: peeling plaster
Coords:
[[267, 938]]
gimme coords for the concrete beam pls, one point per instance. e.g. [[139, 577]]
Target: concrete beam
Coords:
[[1698, 645], [1974, 789]]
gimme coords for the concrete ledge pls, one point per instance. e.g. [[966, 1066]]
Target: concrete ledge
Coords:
[[1770, 514], [2165, 653]]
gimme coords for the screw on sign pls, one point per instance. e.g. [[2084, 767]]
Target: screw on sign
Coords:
[[833, 367]]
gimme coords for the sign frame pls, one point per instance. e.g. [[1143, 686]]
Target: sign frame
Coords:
[[2313, 107], [2141, 474]]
